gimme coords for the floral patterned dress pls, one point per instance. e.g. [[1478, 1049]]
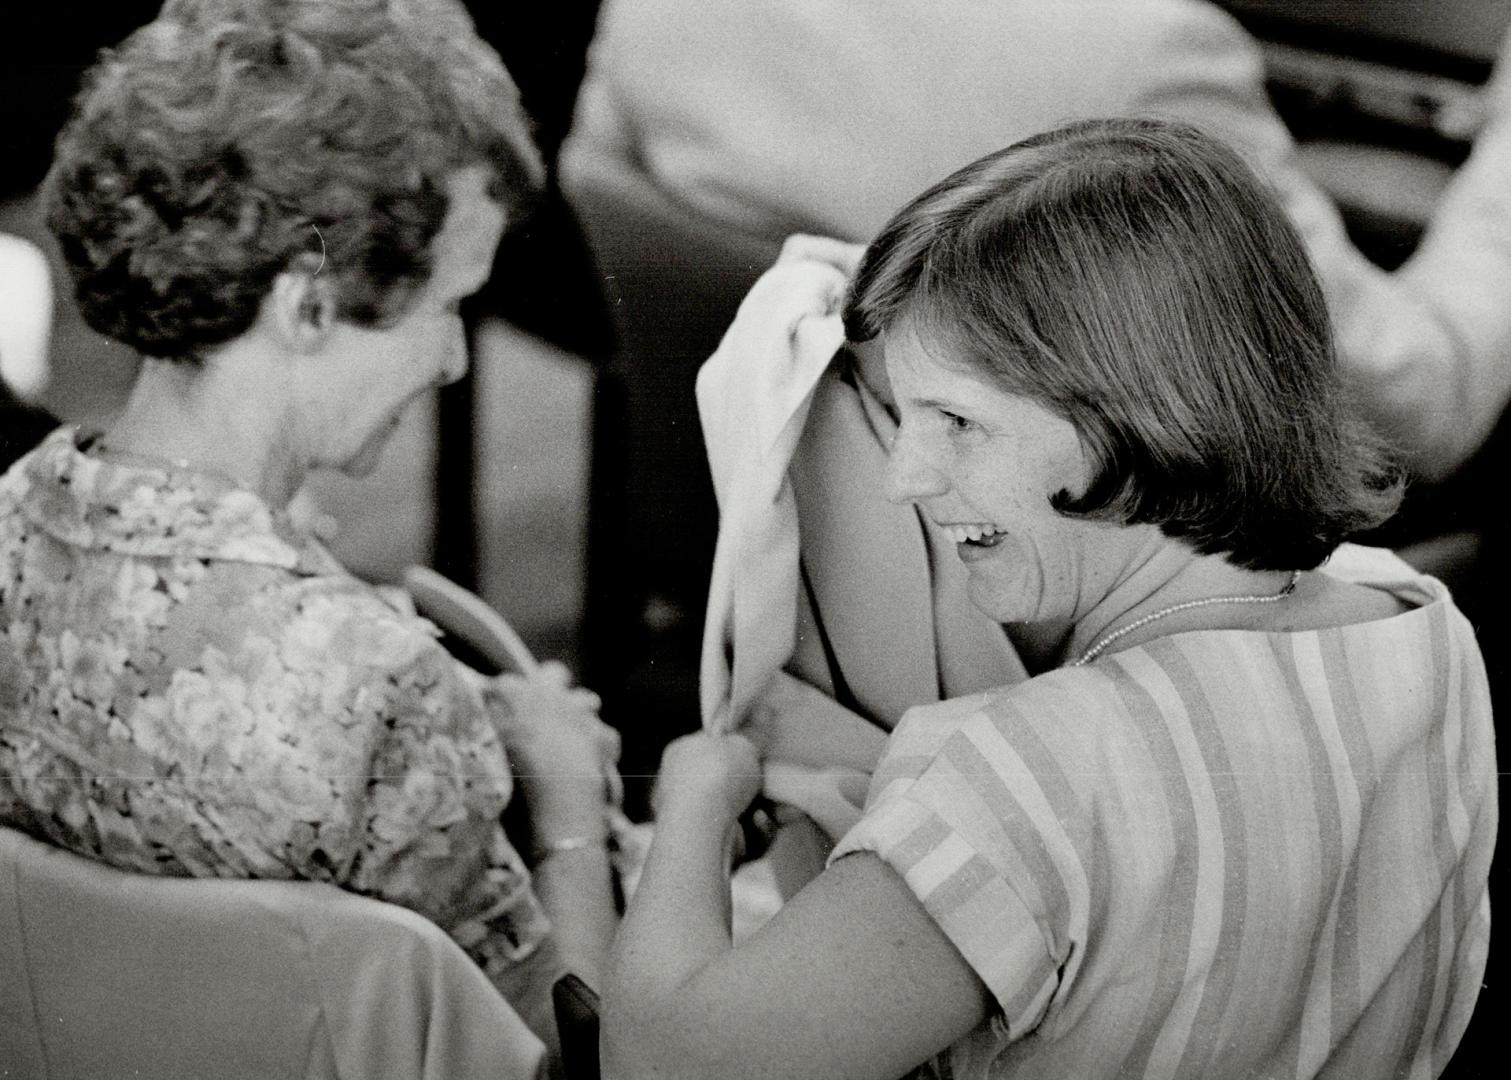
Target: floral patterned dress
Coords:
[[191, 685]]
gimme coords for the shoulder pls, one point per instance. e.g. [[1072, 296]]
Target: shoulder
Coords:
[[1193, 24], [1063, 705], [1037, 758], [366, 722], [1381, 568], [1132, 45], [1129, 737], [353, 620], [761, 28], [317, 622], [326, 665]]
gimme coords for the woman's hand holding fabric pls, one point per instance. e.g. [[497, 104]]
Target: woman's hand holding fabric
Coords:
[[819, 755], [713, 775], [833, 796], [795, 722]]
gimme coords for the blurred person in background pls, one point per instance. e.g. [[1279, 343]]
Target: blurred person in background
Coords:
[[818, 116], [279, 205]]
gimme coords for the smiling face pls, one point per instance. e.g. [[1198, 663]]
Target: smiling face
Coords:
[[365, 377], [984, 464]]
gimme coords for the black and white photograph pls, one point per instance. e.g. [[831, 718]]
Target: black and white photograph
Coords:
[[753, 539]]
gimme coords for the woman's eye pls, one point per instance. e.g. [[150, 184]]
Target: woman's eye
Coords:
[[956, 422]]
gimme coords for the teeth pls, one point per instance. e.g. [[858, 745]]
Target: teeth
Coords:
[[962, 534]]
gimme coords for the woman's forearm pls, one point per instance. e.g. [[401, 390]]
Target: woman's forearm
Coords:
[[852, 977], [677, 923], [576, 888], [681, 914], [571, 869]]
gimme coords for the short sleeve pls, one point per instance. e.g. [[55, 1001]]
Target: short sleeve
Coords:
[[427, 798], [957, 817], [356, 751]]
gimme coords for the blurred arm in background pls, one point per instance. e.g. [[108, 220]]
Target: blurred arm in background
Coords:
[[779, 116]]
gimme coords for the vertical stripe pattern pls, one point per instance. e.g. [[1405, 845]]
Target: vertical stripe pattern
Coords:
[[1222, 853]]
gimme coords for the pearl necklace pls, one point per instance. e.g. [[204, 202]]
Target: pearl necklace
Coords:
[[1096, 649]]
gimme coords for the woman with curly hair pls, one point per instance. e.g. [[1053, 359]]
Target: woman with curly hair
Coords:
[[280, 205], [1238, 820]]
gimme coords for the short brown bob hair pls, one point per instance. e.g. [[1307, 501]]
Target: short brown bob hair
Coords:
[[1135, 278]]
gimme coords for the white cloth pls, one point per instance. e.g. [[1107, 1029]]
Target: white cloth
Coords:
[[753, 399], [865, 590], [831, 609]]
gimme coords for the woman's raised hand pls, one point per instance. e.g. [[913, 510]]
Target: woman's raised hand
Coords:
[[565, 759], [834, 796]]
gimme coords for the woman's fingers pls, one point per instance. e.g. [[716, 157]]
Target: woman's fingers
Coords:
[[552, 727], [832, 797], [717, 774]]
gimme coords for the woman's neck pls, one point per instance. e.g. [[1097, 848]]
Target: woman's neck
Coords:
[[1173, 575], [204, 418]]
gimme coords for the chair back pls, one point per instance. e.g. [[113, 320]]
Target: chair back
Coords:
[[674, 283], [108, 973]]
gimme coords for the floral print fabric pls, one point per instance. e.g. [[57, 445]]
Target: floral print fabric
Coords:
[[191, 685]]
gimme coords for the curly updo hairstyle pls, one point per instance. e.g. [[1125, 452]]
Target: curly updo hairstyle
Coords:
[[1135, 278], [230, 140]]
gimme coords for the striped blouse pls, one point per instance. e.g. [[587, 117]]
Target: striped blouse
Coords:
[[1221, 853]]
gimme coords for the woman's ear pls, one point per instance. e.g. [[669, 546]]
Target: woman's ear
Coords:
[[302, 307]]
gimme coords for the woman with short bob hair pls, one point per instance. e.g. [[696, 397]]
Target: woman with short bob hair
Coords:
[[281, 205], [1239, 820], [1202, 381]]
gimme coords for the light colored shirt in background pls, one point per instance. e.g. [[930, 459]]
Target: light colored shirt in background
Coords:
[[769, 117]]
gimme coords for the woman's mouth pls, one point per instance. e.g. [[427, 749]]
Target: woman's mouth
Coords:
[[981, 536]]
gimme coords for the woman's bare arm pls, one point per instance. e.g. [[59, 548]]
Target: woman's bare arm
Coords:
[[851, 978], [561, 754]]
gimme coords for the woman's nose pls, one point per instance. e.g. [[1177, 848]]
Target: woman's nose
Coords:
[[910, 474]]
